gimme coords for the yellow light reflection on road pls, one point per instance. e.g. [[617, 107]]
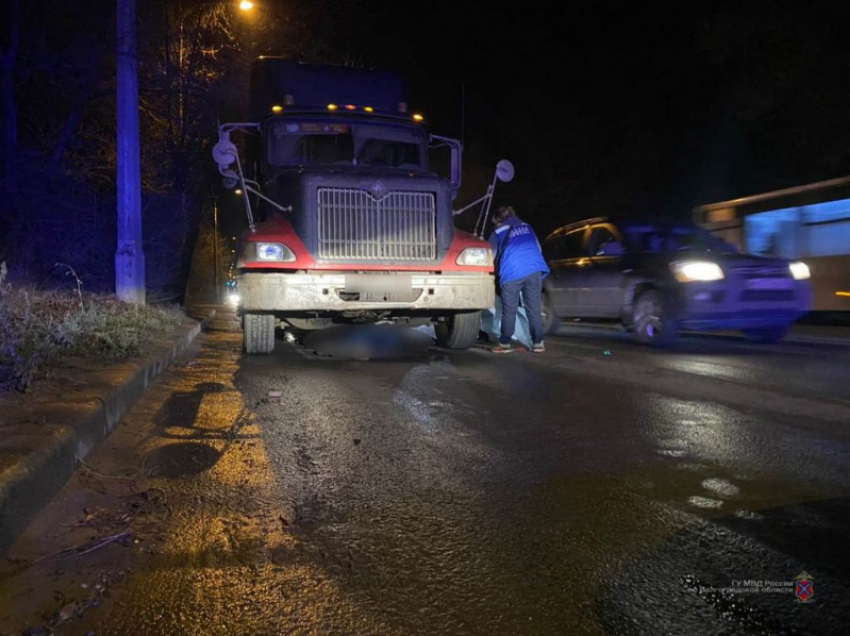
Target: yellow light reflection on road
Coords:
[[232, 551]]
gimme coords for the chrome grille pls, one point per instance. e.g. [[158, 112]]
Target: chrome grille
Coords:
[[353, 225]]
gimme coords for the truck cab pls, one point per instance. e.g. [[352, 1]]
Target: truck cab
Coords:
[[348, 222]]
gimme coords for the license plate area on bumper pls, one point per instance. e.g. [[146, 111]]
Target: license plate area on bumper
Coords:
[[378, 287]]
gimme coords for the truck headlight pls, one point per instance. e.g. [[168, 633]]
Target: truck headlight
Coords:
[[799, 270], [475, 257], [696, 271], [274, 253]]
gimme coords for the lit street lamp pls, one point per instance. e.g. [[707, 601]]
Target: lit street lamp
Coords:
[[246, 5]]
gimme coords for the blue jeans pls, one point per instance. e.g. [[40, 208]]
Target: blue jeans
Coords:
[[531, 287]]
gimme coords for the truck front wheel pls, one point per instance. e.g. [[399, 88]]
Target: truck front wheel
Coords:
[[459, 331], [257, 333]]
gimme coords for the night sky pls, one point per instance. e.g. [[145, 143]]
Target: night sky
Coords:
[[605, 109], [602, 109]]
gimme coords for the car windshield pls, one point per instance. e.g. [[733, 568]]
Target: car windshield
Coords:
[[657, 239], [324, 144]]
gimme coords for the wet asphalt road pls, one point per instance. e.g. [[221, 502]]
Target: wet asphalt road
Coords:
[[601, 488]]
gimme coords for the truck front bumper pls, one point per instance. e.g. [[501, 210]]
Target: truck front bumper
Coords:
[[313, 292]]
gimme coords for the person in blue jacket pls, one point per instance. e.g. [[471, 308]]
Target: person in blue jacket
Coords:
[[520, 269]]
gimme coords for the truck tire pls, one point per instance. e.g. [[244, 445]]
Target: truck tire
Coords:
[[652, 322], [551, 322], [766, 335], [257, 333], [459, 331]]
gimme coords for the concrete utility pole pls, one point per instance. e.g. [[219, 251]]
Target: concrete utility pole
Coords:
[[129, 259]]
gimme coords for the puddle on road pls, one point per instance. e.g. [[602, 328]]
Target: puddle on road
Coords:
[[704, 502], [721, 487]]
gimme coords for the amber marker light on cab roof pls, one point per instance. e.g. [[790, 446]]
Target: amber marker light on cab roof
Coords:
[[332, 106], [418, 117], [369, 109], [350, 107], [277, 108]]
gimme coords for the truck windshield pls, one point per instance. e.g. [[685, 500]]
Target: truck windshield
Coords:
[[320, 144], [322, 149], [387, 152], [657, 239]]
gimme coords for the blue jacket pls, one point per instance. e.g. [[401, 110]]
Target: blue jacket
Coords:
[[516, 251]]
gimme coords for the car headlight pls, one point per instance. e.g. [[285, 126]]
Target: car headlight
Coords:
[[799, 270], [475, 257], [696, 271], [274, 253]]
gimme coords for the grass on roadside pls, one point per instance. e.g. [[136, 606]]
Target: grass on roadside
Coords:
[[35, 326]]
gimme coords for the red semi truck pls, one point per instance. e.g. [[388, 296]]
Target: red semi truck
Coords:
[[347, 221]]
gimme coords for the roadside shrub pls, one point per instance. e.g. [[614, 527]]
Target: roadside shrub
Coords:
[[35, 326]]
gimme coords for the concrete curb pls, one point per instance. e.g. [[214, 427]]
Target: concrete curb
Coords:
[[789, 339], [40, 454], [820, 340]]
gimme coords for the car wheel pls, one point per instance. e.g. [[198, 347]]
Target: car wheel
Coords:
[[766, 335], [551, 322], [257, 333], [652, 324], [458, 331]]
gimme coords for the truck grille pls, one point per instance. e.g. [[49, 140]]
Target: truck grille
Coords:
[[353, 225]]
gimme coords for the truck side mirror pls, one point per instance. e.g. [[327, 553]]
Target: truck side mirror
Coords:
[[456, 169], [224, 153], [456, 150], [505, 171]]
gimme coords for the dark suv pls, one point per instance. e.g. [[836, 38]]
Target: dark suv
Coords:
[[658, 278]]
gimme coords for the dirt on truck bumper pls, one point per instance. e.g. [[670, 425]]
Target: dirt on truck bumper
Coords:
[[269, 291]]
